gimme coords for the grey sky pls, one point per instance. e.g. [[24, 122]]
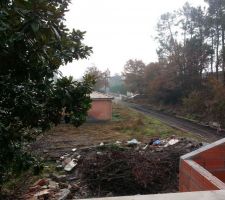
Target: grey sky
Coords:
[[118, 30]]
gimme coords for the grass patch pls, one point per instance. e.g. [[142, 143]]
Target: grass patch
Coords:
[[111, 147], [138, 125], [116, 117]]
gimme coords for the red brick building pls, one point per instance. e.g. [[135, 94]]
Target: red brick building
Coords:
[[101, 108]]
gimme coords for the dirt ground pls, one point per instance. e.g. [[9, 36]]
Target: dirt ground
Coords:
[[125, 125], [64, 137]]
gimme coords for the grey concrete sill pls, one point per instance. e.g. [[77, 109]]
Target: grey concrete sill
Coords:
[[206, 195]]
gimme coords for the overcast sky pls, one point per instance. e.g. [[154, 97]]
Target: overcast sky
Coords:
[[118, 30]]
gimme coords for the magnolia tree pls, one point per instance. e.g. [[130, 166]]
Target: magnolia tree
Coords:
[[34, 43]]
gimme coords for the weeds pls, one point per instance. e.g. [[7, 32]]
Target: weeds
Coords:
[[138, 125]]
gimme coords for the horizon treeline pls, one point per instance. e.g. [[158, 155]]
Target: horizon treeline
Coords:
[[191, 62]]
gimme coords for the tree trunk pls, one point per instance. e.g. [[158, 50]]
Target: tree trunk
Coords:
[[212, 58], [223, 55], [217, 51]]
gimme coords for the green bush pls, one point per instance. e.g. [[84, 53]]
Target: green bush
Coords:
[[195, 103], [34, 43]]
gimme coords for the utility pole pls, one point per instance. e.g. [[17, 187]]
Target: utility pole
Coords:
[[107, 75]]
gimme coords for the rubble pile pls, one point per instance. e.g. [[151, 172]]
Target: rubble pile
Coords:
[[45, 189], [148, 169], [121, 168], [57, 186]]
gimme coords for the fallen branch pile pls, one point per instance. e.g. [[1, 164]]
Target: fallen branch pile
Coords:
[[130, 171]]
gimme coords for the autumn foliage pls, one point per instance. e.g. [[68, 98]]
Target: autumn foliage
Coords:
[[190, 72]]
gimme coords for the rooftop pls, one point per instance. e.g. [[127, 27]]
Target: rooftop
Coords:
[[100, 96]]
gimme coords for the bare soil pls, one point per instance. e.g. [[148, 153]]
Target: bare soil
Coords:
[[63, 138]]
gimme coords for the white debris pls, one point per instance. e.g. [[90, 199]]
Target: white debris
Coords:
[[171, 142], [53, 185], [118, 142], [145, 147], [42, 194], [74, 149], [70, 165], [133, 141], [214, 124], [63, 194], [59, 167], [101, 144]]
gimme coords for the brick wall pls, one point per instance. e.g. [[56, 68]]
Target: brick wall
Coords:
[[203, 169], [101, 110], [213, 160]]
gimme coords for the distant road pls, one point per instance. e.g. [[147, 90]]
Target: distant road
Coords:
[[205, 132]]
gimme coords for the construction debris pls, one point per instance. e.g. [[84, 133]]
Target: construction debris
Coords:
[[59, 178], [41, 182], [149, 169], [63, 194], [44, 194], [34, 188], [53, 185], [133, 142], [70, 165], [171, 142], [152, 140], [116, 169], [145, 147], [157, 142]]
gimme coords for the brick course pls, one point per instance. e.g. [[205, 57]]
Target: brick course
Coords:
[[203, 169]]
